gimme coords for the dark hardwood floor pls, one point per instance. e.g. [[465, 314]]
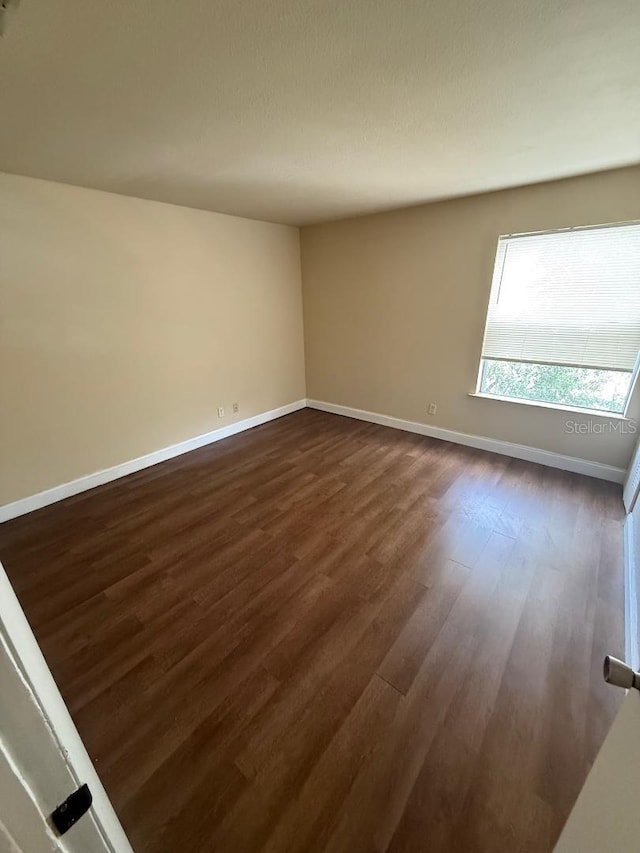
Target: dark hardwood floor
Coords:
[[325, 635]]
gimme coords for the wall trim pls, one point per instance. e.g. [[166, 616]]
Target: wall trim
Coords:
[[90, 481], [505, 448], [631, 600], [494, 445]]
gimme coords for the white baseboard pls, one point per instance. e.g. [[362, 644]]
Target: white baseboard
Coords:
[[631, 600], [506, 448], [494, 445], [83, 484]]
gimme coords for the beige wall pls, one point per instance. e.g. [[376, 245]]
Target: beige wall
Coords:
[[395, 304], [124, 324]]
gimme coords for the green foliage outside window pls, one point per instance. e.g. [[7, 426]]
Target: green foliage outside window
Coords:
[[605, 390]]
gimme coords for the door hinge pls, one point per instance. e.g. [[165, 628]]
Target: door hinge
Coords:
[[70, 812]]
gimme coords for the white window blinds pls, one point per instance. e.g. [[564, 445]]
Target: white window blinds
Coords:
[[567, 298]]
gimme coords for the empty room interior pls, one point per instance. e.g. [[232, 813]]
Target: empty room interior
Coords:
[[319, 342]]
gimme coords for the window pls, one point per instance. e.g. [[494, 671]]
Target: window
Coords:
[[563, 324]]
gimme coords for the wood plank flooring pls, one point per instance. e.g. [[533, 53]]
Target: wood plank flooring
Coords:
[[326, 635]]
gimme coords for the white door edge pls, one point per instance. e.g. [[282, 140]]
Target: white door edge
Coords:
[[19, 638]]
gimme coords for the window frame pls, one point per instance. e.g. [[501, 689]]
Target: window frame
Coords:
[[543, 403]]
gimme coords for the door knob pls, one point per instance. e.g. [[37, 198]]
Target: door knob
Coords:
[[620, 674]]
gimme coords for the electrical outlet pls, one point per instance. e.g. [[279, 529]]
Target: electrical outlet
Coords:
[[433, 408], [236, 408], [220, 412]]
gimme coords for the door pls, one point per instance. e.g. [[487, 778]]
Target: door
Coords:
[[606, 816], [631, 485], [42, 759]]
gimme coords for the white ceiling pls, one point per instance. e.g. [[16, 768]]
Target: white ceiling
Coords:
[[304, 110]]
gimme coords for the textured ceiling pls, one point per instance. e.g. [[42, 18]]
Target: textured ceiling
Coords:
[[304, 110]]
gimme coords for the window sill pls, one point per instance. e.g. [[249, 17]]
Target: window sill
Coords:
[[558, 408]]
